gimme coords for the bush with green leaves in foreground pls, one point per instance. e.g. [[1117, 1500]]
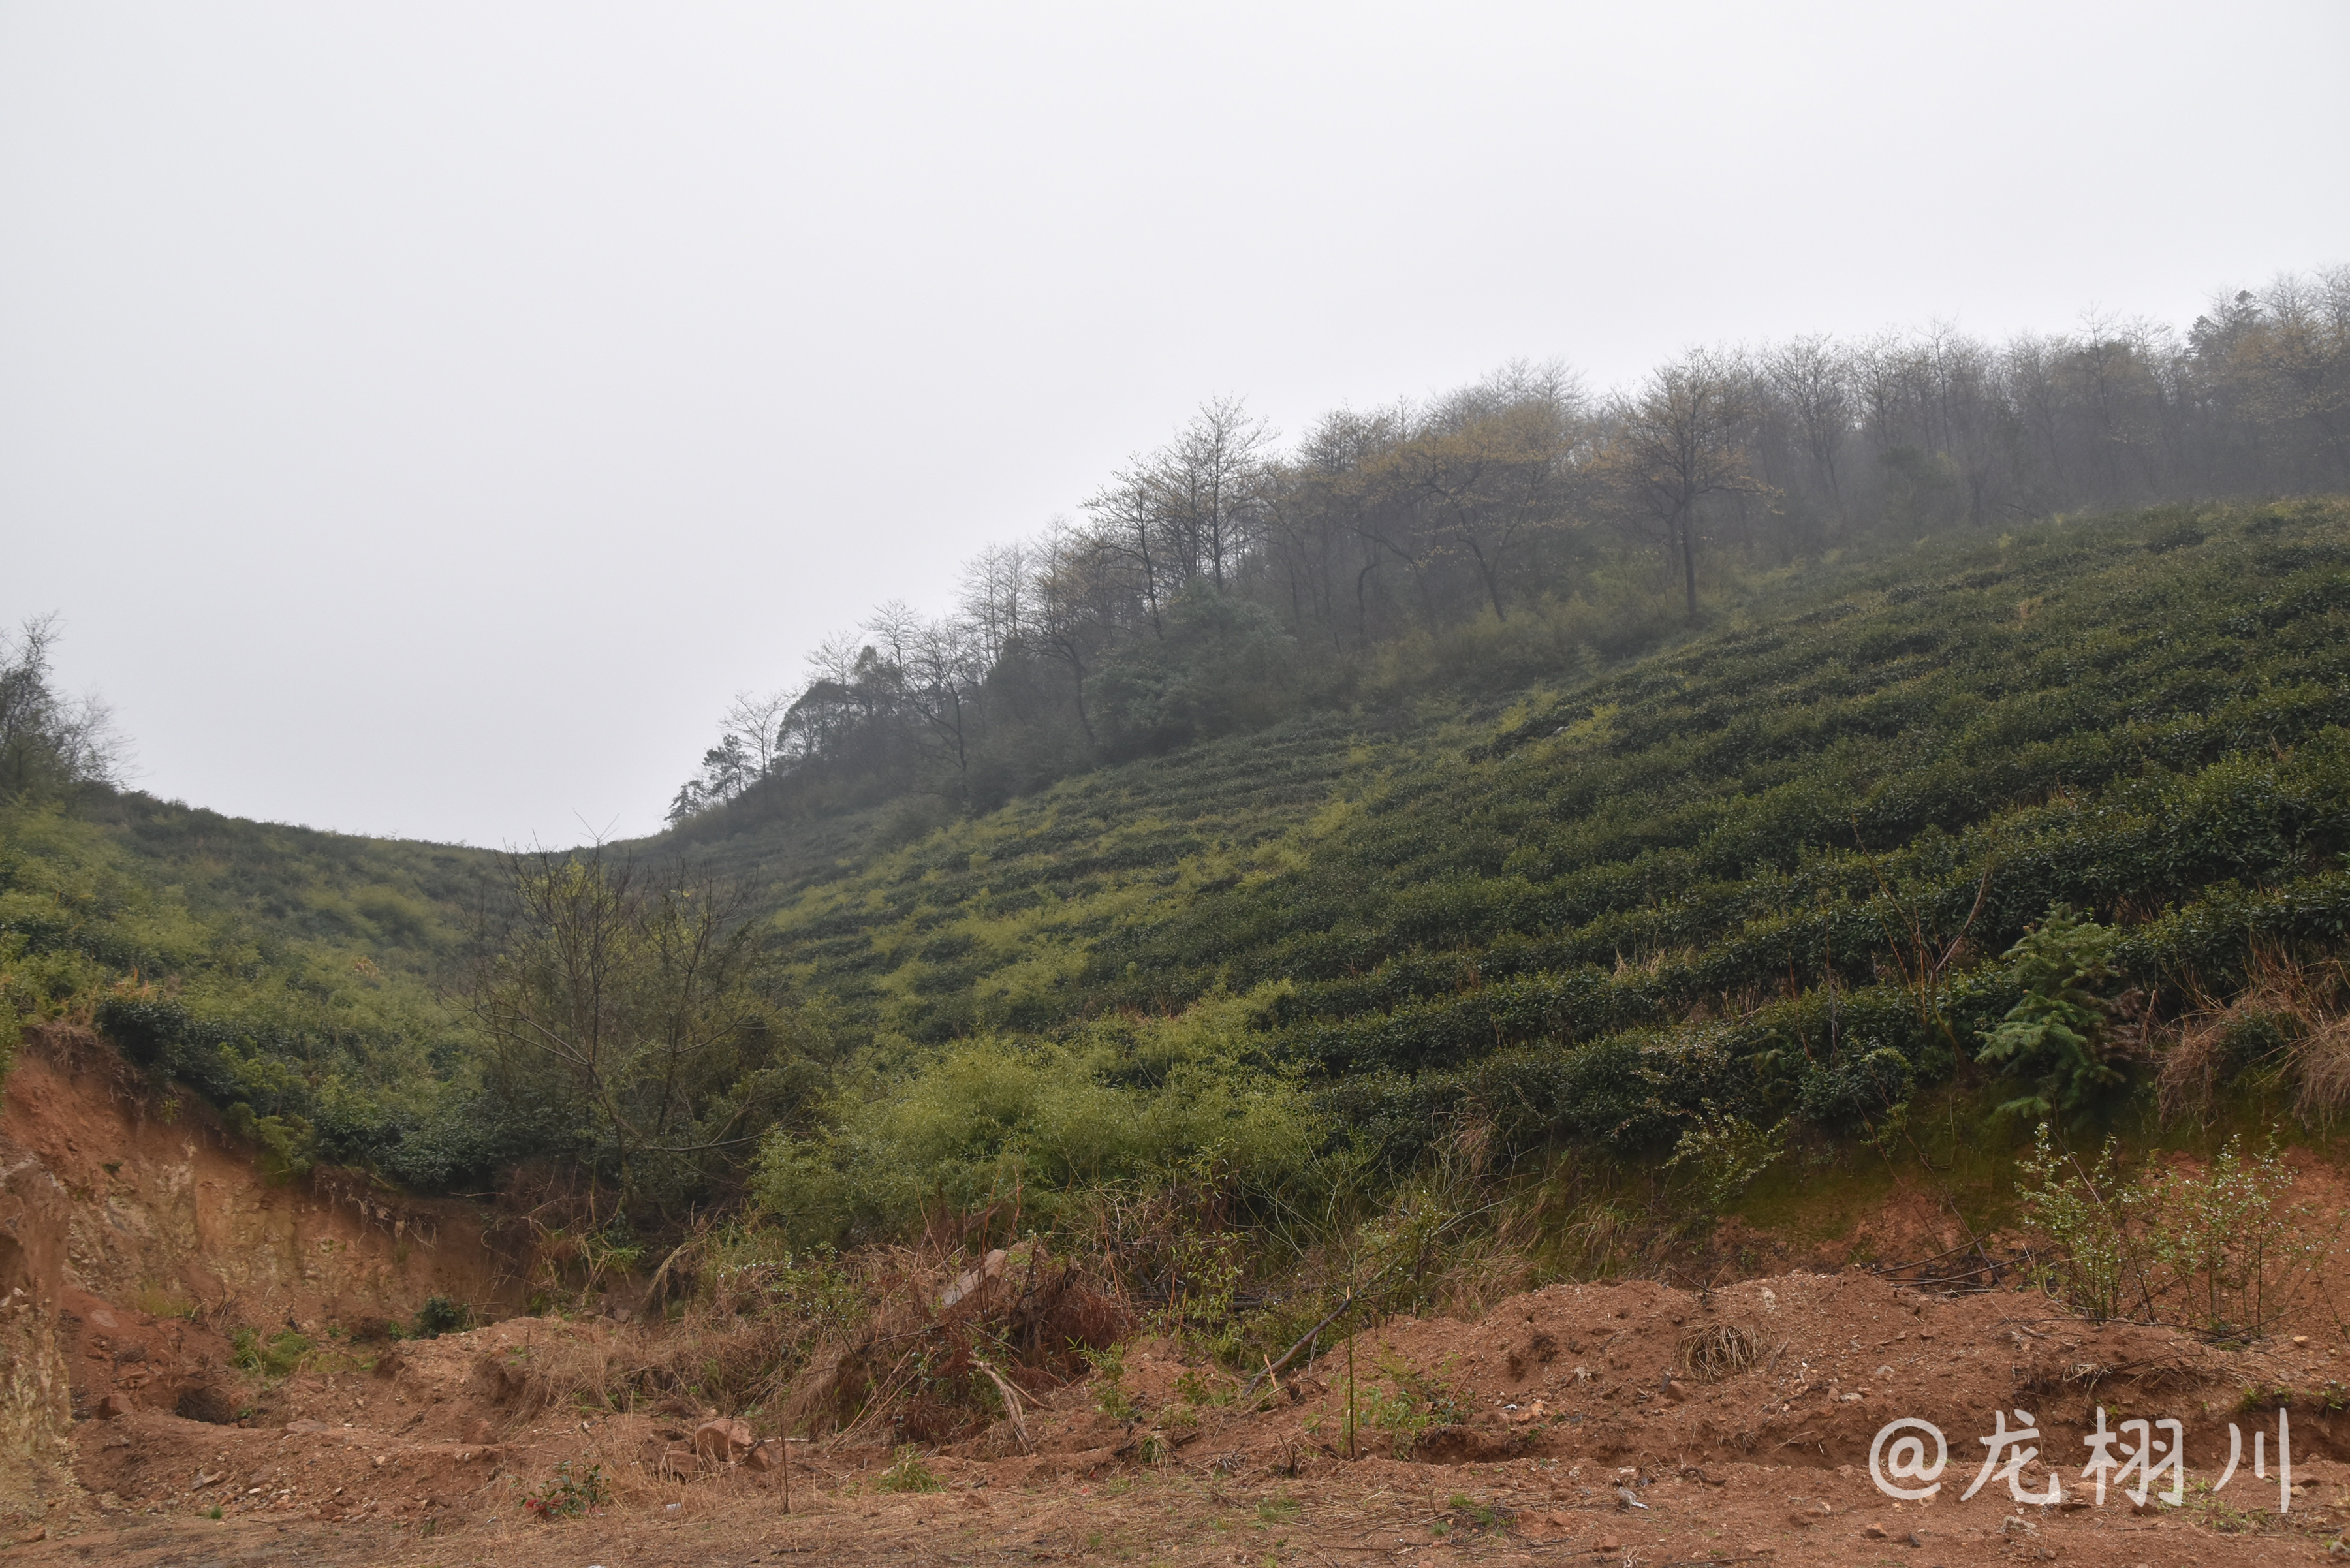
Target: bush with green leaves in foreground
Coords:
[[574, 1491], [2055, 1035], [1020, 1124], [2220, 1248], [906, 1472]]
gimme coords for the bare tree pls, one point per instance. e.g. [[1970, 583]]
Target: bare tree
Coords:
[[946, 666], [756, 721], [1078, 615], [2288, 365], [995, 594], [837, 658], [1315, 512], [1127, 515], [629, 998], [1462, 505], [1210, 482], [1809, 374], [1678, 442], [1493, 464], [895, 626], [47, 740]]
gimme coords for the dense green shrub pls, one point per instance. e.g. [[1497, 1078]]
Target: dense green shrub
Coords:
[[440, 1316], [1223, 665], [991, 1121], [2053, 1035]]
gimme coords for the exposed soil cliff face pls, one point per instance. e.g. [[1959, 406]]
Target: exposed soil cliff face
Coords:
[[134, 1243], [169, 1215], [34, 1448]]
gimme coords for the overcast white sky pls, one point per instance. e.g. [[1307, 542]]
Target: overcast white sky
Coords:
[[425, 416]]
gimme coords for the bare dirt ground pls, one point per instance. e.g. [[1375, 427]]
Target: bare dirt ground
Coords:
[[1627, 1423]]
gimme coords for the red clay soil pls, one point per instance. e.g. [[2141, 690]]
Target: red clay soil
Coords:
[[165, 1209], [1627, 1423]]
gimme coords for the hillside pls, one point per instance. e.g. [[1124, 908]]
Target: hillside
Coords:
[[1835, 932], [1764, 871], [301, 974], [1768, 871]]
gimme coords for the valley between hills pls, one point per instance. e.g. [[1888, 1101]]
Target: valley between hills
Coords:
[[1563, 1116]]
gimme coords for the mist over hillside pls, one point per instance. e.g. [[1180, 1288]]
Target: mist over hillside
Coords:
[[1614, 895], [1521, 528], [1528, 804], [1997, 874]]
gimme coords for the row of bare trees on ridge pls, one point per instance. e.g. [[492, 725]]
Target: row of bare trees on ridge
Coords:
[[1221, 576]]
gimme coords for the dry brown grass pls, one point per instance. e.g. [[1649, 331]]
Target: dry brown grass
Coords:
[[2291, 1022], [1723, 1350], [923, 1369], [2321, 1060], [868, 1349]]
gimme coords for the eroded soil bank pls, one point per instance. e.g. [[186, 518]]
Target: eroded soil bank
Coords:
[[136, 1235]]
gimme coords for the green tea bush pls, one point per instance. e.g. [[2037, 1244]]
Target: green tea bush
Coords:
[[286, 1146]]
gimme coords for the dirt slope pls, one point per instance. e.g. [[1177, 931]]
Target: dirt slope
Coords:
[[1588, 1423], [134, 1242], [1623, 1422], [169, 1212]]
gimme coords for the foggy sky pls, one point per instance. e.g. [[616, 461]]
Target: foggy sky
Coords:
[[425, 416]]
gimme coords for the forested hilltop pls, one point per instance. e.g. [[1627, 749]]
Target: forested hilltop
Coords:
[[1517, 851], [1522, 529]]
